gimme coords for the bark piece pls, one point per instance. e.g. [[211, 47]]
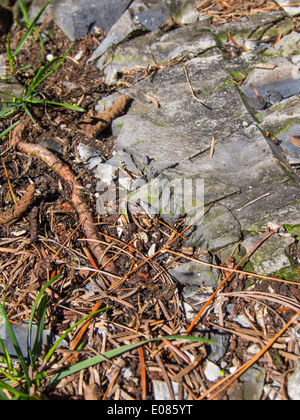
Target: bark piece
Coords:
[[9, 216], [95, 125]]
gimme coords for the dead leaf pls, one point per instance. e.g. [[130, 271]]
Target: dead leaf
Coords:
[[295, 140], [92, 393]]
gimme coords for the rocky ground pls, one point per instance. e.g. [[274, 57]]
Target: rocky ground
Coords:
[[192, 180]]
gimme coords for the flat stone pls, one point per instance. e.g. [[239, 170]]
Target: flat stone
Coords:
[[169, 137], [272, 255], [21, 333], [287, 47], [141, 17], [293, 384], [283, 121], [283, 80], [211, 371], [87, 152], [181, 124], [291, 10], [244, 29], [254, 381], [155, 47], [124, 27], [291, 151], [161, 391], [76, 17], [242, 167], [194, 274], [217, 351], [218, 230]]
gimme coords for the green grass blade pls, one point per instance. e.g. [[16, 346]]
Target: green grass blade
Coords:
[[29, 114], [14, 341], [37, 347], [74, 107], [19, 395], [42, 72], [9, 129], [30, 30], [64, 335], [9, 110], [9, 55], [23, 10], [35, 305], [6, 357], [117, 352]]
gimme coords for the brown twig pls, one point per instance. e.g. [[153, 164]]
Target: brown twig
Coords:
[[231, 378], [143, 372], [12, 215], [227, 278]]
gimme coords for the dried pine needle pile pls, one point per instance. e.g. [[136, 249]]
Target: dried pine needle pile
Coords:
[[223, 11]]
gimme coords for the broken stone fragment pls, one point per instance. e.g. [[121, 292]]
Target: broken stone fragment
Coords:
[[265, 82], [76, 17], [290, 9]]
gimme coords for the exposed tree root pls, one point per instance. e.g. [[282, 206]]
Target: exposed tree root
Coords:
[[85, 215]]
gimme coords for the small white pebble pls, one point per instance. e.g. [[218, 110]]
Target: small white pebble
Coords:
[[49, 57]]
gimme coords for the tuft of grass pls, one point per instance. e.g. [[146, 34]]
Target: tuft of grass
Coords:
[[31, 94], [17, 383], [30, 28]]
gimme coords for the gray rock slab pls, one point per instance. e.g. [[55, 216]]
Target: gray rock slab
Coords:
[[288, 46], [169, 138], [193, 274], [181, 128], [254, 381], [218, 230], [176, 139], [283, 79], [143, 16], [21, 333], [291, 10], [283, 120], [156, 47], [217, 351], [125, 26], [76, 17], [291, 151], [272, 256], [6, 20]]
